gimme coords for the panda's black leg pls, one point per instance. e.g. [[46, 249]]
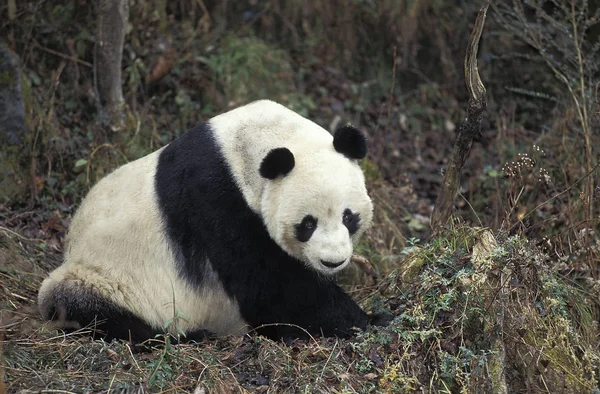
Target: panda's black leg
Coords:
[[381, 319], [78, 308], [305, 304], [336, 313]]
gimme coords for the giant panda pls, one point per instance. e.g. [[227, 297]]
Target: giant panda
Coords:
[[238, 225]]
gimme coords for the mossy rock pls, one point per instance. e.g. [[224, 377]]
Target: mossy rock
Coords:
[[12, 107]]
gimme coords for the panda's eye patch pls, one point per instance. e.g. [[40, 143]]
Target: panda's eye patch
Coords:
[[306, 228], [351, 221]]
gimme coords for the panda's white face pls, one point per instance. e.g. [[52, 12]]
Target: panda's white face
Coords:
[[318, 210]]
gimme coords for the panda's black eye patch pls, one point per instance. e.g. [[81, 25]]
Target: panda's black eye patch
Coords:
[[351, 220], [306, 228]]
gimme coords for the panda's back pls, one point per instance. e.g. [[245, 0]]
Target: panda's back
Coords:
[[121, 203]]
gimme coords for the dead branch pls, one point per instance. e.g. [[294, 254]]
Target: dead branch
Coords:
[[469, 128], [366, 266]]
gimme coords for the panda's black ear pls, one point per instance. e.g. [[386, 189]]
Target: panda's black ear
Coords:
[[278, 162], [350, 142]]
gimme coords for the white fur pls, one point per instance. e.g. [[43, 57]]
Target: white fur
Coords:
[[120, 251], [323, 182]]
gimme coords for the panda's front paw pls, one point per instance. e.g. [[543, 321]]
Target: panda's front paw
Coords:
[[381, 319]]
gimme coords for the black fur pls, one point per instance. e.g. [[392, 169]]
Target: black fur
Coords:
[[350, 142], [206, 217], [278, 162], [305, 229], [351, 220]]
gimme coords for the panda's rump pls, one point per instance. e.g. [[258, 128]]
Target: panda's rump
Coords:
[[73, 304], [119, 266]]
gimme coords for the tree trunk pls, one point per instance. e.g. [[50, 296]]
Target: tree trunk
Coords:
[[112, 16]]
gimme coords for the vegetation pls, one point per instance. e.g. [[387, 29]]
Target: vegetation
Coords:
[[504, 298]]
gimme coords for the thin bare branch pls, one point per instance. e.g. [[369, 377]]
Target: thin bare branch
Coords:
[[598, 98]]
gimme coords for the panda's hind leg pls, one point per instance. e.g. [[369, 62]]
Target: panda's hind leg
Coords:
[[71, 308]]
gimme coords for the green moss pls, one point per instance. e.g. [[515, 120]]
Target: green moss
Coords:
[[8, 79], [411, 267], [249, 69], [13, 178], [371, 171]]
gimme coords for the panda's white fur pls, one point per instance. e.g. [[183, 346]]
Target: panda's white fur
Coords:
[[114, 248], [123, 258]]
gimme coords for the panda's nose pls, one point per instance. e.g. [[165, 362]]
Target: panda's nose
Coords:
[[331, 264]]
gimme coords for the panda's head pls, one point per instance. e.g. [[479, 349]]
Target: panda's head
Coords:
[[315, 204]]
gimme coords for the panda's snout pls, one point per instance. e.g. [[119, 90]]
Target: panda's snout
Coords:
[[331, 264]]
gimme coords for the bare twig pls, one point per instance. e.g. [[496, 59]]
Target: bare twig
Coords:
[[11, 232], [2, 386], [587, 133], [574, 76], [470, 127], [63, 55], [12, 9], [389, 106]]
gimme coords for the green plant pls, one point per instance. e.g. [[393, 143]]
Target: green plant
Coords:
[[248, 69], [161, 369]]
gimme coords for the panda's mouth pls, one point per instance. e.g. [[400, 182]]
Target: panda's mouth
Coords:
[[331, 264]]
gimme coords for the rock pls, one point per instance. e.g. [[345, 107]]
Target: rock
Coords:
[[13, 128]]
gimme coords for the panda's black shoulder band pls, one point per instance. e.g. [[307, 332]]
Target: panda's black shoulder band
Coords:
[[278, 162], [351, 142]]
